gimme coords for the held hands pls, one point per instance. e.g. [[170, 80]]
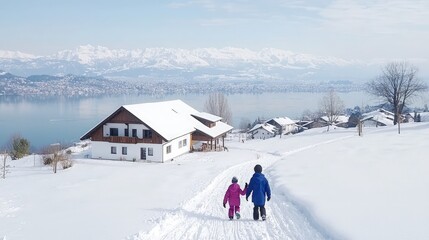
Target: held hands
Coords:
[[246, 185]]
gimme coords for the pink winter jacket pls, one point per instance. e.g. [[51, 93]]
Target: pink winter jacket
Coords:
[[232, 195]]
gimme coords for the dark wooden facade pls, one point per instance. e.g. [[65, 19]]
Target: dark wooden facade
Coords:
[[206, 122], [125, 117]]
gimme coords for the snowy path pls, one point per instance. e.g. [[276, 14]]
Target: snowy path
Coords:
[[203, 216]]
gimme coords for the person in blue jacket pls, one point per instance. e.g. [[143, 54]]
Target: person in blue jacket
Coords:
[[259, 188]]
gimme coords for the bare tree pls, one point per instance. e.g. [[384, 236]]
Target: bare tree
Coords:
[[308, 115], [54, 154], [244, 124], [397, 84], [217, 104], [332, 106]]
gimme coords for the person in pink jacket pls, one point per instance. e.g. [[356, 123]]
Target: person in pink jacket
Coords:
[[232, 196]]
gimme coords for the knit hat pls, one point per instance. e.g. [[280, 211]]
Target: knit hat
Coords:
[[258, 168], [234, 180]]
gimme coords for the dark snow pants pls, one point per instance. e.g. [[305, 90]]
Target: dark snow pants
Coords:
[[256, 211]]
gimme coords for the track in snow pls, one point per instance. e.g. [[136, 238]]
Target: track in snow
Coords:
[[203, 217]]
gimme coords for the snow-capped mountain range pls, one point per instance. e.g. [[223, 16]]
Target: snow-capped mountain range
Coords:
[[202, 63]]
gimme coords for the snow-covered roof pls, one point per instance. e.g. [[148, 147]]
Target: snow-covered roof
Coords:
[[166, 118], [215, 131], [379, 116], [266, 126], [340, 119], [207, 116], [282, 121], [174, 118]]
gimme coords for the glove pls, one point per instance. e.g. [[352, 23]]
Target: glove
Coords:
[[246, 185], [224, 205], [268, 198], [247, 198]]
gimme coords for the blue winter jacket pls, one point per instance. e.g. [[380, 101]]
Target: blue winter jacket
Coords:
[[259, 186]]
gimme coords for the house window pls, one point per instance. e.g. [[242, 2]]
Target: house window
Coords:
[[113, 150], [134, 132], [124, 150], [147, 134], [126, 133], [150, 151], [169, 149], [180, 144], [114, 131], [185, 142]]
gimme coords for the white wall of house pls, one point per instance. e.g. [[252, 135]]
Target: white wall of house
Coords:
[[261, 133], [153, 152], [120, 126], [177, 147], [103, 150], [139, 127], [289, 128], [371, 123]]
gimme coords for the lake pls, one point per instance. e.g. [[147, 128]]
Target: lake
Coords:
[[63, 120]]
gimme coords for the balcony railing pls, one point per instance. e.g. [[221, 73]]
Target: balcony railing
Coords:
[[119, 139]]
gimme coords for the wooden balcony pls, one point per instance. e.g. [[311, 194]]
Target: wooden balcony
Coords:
[[119, 139]]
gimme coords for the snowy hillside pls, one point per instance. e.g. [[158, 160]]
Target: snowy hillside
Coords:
[[325, 185], [201, 63]]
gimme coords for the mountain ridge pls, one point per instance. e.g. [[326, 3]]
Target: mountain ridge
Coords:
[[240, 63]]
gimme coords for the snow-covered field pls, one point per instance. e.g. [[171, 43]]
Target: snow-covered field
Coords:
[[325, 185]]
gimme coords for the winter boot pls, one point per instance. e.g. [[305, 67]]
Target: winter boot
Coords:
[[237, 214], [255, 213], [230, 218], [263, 213]]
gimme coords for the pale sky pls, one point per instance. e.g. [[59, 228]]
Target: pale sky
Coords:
[[352, 29]]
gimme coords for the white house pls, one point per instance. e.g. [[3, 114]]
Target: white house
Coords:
[[424, 116], [283, 124], [262, 131], [158, 131], [379, 117]]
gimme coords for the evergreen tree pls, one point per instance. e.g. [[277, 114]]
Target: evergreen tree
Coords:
[[20, 147]]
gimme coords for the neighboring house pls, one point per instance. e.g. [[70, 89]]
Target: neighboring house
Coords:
[[158, 131], [284, 125], [424, 116], [409, 117], [262, 131], [303, 125], [417, 117], [318, 123], [379, 117], [341, 120]]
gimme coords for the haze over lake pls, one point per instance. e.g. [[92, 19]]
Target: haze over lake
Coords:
[[64, 120]]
